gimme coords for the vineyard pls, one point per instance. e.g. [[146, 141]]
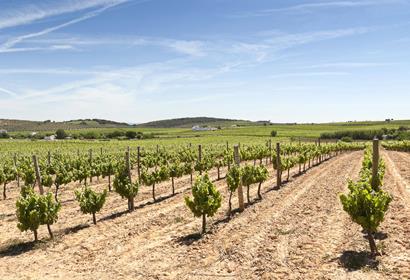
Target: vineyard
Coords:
[[250, 210]]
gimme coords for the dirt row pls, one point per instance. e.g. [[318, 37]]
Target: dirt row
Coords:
[[297, 232]]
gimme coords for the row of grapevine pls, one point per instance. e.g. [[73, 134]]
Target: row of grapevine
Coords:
[[401, 146], [366, 203], [207, 199], [153, 167]]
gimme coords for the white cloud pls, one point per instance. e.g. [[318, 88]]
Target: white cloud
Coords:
[[351, 65], [308, 74], [13, 41], [30, 13], [307, 7], [8, 92]]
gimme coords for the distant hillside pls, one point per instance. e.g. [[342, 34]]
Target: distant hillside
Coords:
[[190, 122], [24, 125]]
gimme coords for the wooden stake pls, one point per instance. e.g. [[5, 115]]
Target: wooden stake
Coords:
[[15, 167], [128, 165], [200, 156], [278, 165], [139, 163], [90, 158], [48, 158], [240, 190], [38, 176], [375, 164]]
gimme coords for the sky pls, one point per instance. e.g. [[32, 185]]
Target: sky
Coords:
[[144, 60]]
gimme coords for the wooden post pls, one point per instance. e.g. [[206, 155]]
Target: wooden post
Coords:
[[375, 164], [240, 190], [139, 163], [101, 151], [200, 156], [38, 176], [78, 152], [270, 151], [278, 165], [90, 159], [15, 167], [48, 158], [128, 165], [157, 148], [227, 146]]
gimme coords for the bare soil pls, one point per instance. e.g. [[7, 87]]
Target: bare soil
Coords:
[[297, 232]]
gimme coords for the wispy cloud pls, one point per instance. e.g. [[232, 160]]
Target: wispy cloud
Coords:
[[8, 92], [308, 74], [351, 65], [13, 41], [30, 13], [308, 7]]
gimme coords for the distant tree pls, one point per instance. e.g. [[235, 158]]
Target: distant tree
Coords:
[[140, 135], [4, 134], [61, 134], [115, 134], [273, 133], [130, 134], [90, 135]]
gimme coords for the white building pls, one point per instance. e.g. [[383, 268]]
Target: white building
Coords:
[[50, 138], [198, 128]]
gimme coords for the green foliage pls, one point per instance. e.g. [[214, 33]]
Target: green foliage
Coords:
[[90, 201], [49, 209], [365, 206], [123, 185], [273, 133], [130, 134], [346, 139], [28, 212], [233, 178], [206, 199], [61, 134], [34, 210]]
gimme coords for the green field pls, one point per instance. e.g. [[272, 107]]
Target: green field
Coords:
[[180, 136]]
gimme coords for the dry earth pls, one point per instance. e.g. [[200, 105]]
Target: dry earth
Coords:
[[297, 232]]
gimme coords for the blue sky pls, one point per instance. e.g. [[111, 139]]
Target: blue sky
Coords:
[[136, 61]]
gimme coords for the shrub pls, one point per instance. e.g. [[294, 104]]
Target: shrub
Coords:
[[273, 133], [48, 211], [366, 207], [125, 188], [206, 199], [233, 179], [34, 210], [61, 134], [4, 135], [346, 139], [90, 201], [131, 134]]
